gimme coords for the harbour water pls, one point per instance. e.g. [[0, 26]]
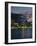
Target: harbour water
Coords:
[[25, 33]]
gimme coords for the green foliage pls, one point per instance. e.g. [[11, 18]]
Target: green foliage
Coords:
[[24, 25]]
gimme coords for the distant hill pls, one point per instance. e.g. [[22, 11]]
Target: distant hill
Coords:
[[20, 18]]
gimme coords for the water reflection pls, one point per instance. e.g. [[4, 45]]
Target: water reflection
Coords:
[[21, 33]]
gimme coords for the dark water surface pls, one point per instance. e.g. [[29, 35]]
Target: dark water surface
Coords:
[[21, 33]]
